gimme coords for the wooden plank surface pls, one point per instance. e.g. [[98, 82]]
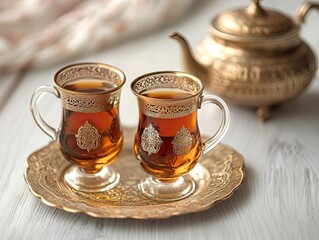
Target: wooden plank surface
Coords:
[[279, 198], [8, 84]]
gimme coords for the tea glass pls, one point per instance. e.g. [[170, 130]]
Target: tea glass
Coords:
[[90, 135], [167, 142]]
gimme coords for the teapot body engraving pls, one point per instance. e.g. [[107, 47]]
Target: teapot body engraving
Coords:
[[253, 57]]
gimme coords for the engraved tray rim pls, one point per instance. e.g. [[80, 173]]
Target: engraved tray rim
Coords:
[[151, 211]]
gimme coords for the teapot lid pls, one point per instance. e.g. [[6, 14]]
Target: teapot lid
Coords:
[[253, 23]]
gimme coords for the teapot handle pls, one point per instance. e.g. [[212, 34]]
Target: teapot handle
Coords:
[[303, 10]]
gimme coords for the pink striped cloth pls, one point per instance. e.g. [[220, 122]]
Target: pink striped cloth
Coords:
[[35, 33]]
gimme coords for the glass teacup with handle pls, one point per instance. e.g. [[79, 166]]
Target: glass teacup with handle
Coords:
[[168, 142], [90, 135]]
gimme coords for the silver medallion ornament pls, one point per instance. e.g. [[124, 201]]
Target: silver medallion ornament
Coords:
[[151, 140], [88, 137], [182, 142]]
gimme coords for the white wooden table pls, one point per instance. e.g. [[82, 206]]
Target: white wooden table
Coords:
[[279, 198]]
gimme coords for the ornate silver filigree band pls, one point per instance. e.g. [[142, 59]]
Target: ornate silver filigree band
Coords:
[[90, 103], [168, 110], [88, 71], [168, 80]]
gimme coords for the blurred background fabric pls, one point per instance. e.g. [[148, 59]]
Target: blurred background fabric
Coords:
[[37, 33]]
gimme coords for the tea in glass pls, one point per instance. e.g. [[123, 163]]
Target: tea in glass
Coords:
[[91, 140], [167, 142], [179, 143], [90, 135]]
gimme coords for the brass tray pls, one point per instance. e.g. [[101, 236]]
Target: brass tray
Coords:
[[219, 173]]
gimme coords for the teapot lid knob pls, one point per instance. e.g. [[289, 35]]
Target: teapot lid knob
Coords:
[[255, 9]]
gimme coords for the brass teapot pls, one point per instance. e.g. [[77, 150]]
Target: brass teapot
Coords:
[[253, 57]]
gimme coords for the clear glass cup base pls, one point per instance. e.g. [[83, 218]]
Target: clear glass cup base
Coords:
[[101, 181], [167, 191]]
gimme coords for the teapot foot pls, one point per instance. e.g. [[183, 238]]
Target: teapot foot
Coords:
[[263, 113]]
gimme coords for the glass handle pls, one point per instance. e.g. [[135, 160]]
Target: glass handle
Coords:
[[34, 105], [215, 139]]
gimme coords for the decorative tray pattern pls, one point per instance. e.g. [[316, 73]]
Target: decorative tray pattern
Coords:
[[217, 175]]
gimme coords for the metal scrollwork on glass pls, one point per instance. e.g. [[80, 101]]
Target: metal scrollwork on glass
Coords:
[[88, 71], [169, 110], [90, 103], [88, 137], [182, 142], [113, 98], [151, 141], [167, 80]]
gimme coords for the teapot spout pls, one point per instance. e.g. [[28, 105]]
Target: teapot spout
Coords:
[[189, 62]]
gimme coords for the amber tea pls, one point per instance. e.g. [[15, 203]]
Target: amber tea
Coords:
[[91, 140], [89, 86], [167, 141], [178, 144], [89, 135]]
